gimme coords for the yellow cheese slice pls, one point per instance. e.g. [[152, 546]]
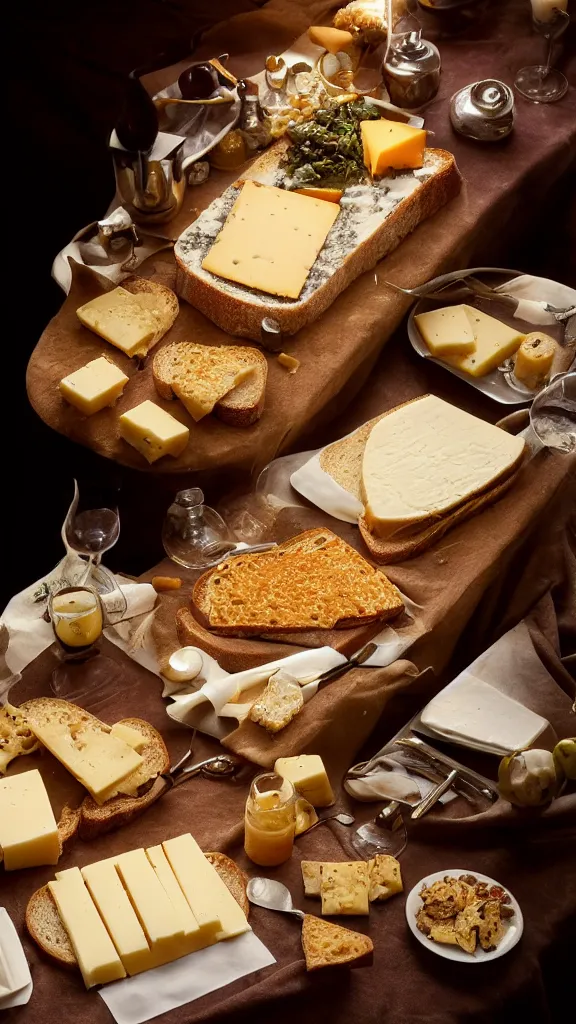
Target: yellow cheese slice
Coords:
[[209, 898], [495, 342], [447, 331], [155, 912], [116, 911], [135, 739], [153, 432], [94, 949], [271, 239], [121, 319], [171, 887], [390, 144], [97, 759], [93, 386], [28, 830], [329, 195]]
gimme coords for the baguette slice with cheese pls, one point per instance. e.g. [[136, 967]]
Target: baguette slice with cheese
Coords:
[[372, 221]]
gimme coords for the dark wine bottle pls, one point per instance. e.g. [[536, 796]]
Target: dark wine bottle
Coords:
[[137, 126]]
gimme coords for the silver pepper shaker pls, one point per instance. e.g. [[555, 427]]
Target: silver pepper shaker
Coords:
[[411, 71], [483, 111]]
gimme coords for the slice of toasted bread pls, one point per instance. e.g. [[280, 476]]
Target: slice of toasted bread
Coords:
[[348, 252], [97, 819], [328, 945], [342, 460], [229, 379], [313, 581], [68, 825], [390, 551], [45, 927]]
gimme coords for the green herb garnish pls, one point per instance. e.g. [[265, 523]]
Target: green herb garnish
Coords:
[[327, 151]]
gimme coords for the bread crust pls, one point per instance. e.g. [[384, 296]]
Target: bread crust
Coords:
[[242, 316]]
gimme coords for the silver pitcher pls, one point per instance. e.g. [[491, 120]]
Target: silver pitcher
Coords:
[[151, 186]]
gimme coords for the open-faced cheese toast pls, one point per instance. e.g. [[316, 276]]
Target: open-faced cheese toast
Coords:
[[334, 246]]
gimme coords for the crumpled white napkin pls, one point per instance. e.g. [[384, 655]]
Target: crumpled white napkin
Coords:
[[30, 634], [534, 312], [144, 996], [385, 777]]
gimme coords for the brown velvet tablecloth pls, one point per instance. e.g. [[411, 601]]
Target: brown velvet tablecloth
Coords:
[[501, 183], [532, 853]]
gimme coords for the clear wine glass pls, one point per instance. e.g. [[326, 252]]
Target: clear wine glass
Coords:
[[385, 834], [541, 83], [92, 527]]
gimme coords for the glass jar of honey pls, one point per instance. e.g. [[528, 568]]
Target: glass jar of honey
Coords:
[[270, 820]]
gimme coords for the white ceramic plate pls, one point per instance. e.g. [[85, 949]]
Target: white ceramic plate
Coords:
[[514, 925], [495, 383]]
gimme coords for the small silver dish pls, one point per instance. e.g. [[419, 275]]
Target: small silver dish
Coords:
[[483, 111]]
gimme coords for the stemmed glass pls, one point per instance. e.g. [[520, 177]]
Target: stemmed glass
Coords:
[[92, 527], [553, 414], [541, 83]]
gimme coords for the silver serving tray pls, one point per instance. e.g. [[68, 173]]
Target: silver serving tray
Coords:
[[495, 384]]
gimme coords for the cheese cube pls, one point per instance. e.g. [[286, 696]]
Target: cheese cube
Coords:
[[93, 386], [155, 912], [133, 737], [97, 759], [118, 915], [344, 888], [210, 900], [169, 883], [153, 432], [94, 949], [385, 877], [121, 319], [447, 331], [271, 239], [308, 775], [28, 830], [391, 144], [495, 342]]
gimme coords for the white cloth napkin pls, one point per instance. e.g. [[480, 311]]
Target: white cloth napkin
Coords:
[[147, 995], [17, 964], [30, 634], [385, 777], [524, 288]]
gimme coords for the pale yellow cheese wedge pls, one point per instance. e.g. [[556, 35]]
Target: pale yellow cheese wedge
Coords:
[[447, 331], [122, 320], [308, 775], [495, 342], [28, 830]]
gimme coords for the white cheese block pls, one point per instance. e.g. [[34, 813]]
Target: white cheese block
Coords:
[[447, 331], [93, 386], [28, 829], [153, 432], [271, 239], [475, 712], [428, 457], [94, 949]]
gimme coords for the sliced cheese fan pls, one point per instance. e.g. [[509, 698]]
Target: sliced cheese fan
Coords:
[[427, 457]]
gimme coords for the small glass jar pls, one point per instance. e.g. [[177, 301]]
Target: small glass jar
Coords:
[[77, 620], [270, 820]]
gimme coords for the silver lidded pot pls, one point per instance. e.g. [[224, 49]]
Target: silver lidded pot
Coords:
[[483, 111], [411, 71]]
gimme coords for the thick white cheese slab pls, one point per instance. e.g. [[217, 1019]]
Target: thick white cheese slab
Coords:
[[475, 713]]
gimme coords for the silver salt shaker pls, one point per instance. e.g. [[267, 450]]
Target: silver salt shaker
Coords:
[[483, 111], [411, 71]]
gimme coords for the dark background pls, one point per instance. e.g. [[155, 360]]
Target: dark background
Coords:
[[72, 58]]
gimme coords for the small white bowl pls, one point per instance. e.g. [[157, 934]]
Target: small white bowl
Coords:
[[514, 925]]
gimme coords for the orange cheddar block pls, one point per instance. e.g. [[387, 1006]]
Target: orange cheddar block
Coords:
[[390, 144], [329, 195]]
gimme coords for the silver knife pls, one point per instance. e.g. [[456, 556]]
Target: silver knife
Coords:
[[487, 789], [433, 796]]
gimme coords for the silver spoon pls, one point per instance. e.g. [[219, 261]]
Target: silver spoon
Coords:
[[272, 895], [342, 817]]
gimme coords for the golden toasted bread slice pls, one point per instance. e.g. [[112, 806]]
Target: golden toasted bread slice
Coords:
[[327, 945]]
